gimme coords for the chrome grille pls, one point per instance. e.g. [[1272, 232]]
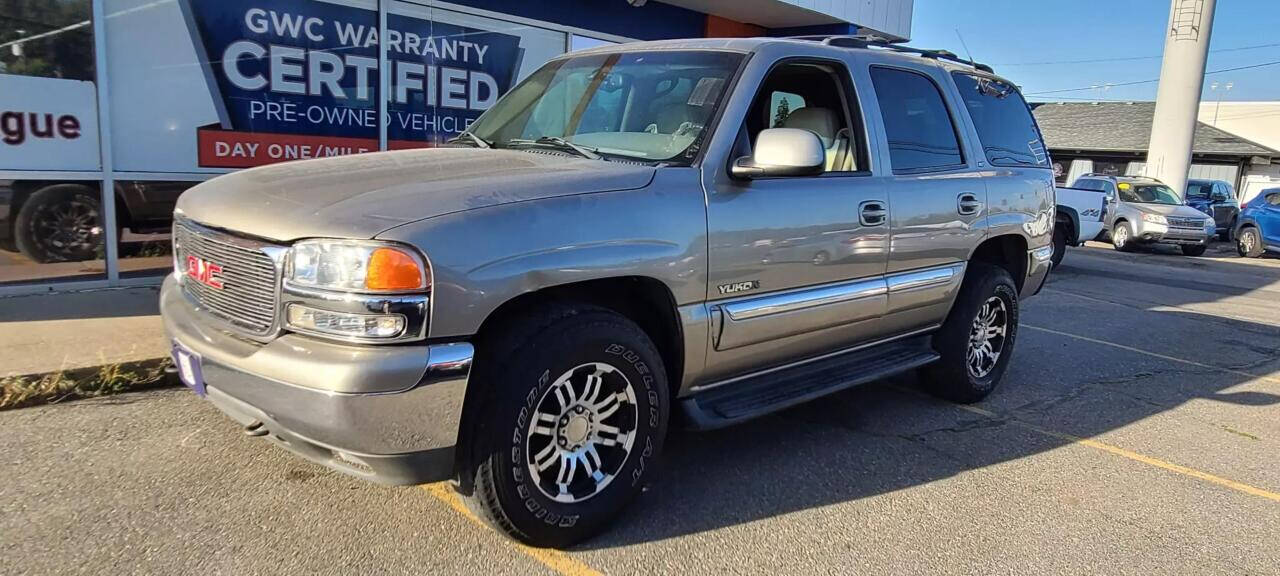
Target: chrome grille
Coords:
[[249, 276], [1196, 223]]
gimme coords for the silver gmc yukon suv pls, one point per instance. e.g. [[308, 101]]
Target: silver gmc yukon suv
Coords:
[[697, 231]]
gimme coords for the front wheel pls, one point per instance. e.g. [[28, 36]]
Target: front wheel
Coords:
[[976, 341], [60, 223], [1122, 237], [1193, 249], [576, 415], [1249, 243]]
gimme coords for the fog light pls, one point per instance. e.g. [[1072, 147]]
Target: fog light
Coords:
[[344, 324]]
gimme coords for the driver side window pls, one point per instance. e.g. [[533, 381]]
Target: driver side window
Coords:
[[811, 96]]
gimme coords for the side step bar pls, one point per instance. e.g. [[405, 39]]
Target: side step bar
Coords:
[[759, 395]]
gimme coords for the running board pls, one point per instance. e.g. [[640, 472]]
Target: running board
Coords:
[[758, 395]]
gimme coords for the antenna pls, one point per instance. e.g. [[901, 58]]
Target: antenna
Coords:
[[965, 46]]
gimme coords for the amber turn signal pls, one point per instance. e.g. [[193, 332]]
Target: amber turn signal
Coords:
[[391, 269]]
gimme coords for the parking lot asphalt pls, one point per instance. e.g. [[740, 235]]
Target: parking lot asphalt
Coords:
[[1136, 432]]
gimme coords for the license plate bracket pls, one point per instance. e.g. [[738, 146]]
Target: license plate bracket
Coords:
[[188, 365]]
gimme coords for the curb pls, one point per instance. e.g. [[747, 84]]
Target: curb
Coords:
[[21, 391]]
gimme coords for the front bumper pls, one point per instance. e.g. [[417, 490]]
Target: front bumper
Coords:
[[389, 414], [1153, 233]]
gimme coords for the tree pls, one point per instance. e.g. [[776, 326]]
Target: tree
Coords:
[[784, 110]]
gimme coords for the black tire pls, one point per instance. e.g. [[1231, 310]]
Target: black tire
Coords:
[[1059, 243], [1225, 235], [60, 223], [1249, 243], [1193, 250], [526, 370], [1122, 237], [951, 377]]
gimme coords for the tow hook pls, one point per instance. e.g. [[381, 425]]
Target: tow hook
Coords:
[[256, 429]]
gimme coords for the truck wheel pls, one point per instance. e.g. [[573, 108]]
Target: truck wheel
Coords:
[[1249, 243], [977, 338], [1059, 243], [1225, 235], [60, 223], [1196, 250], [576, 415], [1122, 237]]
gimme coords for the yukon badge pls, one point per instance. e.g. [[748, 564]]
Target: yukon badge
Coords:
[[738, 287]]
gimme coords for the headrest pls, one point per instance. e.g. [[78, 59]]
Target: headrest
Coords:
[[820, 121]]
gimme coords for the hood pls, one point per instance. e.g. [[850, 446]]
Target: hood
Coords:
[[1202, 204], [363, 195], [1168, 210]]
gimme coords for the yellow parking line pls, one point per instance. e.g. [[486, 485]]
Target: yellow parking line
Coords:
[[1118, 451], [554, 559], [1249, 375]]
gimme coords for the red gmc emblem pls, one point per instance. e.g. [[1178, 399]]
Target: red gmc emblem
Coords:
[[204, 272]]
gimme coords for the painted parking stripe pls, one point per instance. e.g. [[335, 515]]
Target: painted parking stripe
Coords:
[[556, 560], [1249, 375], [1129, 454]]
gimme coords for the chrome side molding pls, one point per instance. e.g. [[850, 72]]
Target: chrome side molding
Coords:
[[808, 298], [923, 278]]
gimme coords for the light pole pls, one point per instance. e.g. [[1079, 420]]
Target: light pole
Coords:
[[1214, 88], [1186, 47]]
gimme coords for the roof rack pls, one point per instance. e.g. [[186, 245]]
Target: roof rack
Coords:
[[865, 41]]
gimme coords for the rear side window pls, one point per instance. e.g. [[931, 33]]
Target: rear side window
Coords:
[[922, 137], [1003, 120]]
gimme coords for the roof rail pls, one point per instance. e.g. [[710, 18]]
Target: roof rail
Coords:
[[863, 41]]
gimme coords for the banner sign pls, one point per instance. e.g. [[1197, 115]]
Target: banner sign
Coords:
[[294, 79]]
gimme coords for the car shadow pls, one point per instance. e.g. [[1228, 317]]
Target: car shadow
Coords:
[[890, 435]]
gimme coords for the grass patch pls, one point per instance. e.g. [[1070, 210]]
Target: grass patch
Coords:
[[54, 387]]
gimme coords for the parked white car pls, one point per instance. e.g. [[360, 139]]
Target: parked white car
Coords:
[[1080, 218]]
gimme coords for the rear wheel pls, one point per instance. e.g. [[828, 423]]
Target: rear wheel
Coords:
[[1249, 243], [1193, 249], [1122, 237], [977, 339], [573, 425], [1059, 243]]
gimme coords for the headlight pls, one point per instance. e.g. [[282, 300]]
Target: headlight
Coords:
[[356, 266], [1155, 219]]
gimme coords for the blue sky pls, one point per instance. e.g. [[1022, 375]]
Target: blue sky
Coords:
[[1018, 37]]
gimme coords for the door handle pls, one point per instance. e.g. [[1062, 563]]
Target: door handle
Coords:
[[872, 213], [968, 204]]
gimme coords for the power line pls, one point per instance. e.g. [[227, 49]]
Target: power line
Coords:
[[1136, 82], [1129, 58]]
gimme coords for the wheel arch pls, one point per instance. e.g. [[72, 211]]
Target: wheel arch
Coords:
[[1071, 217], [1008, 251]]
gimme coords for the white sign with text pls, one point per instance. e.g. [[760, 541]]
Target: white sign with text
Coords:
[[48, 124]]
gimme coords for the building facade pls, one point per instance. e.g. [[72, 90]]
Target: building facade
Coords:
[[110, 109]]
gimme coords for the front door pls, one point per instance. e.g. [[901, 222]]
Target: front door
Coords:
[[796, 264]]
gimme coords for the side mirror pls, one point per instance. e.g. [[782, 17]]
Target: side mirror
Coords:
[[783, 152]]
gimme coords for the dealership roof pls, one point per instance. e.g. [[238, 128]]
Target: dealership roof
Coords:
[[1126, 127]]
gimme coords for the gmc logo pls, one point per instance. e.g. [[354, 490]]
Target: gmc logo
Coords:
[[204, 272]]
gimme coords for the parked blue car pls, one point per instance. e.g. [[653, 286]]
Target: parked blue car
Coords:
[[1216, 198], [1259, 224]]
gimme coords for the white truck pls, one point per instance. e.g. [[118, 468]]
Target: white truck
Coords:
[[1081, 214]]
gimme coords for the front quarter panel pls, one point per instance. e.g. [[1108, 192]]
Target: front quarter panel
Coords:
[[483, 258]]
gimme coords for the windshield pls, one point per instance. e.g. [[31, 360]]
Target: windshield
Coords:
[[648, 106], [1148, 194], [1199, 190]]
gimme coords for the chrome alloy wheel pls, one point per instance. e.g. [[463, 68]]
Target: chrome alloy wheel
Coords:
[[987, 337], [1246, 241], [1120, 236], [582, 432]]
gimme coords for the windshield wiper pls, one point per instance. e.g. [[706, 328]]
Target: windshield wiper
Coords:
[[560, 144], [468, 136]]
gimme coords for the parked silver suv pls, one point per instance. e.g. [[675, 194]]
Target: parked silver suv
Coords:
[[632, 234], [1143, 210]]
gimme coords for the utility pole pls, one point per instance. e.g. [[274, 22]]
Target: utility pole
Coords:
[[1214, 88], [1186, 48]]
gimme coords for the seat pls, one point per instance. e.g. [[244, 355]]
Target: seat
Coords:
[[824, 123]]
